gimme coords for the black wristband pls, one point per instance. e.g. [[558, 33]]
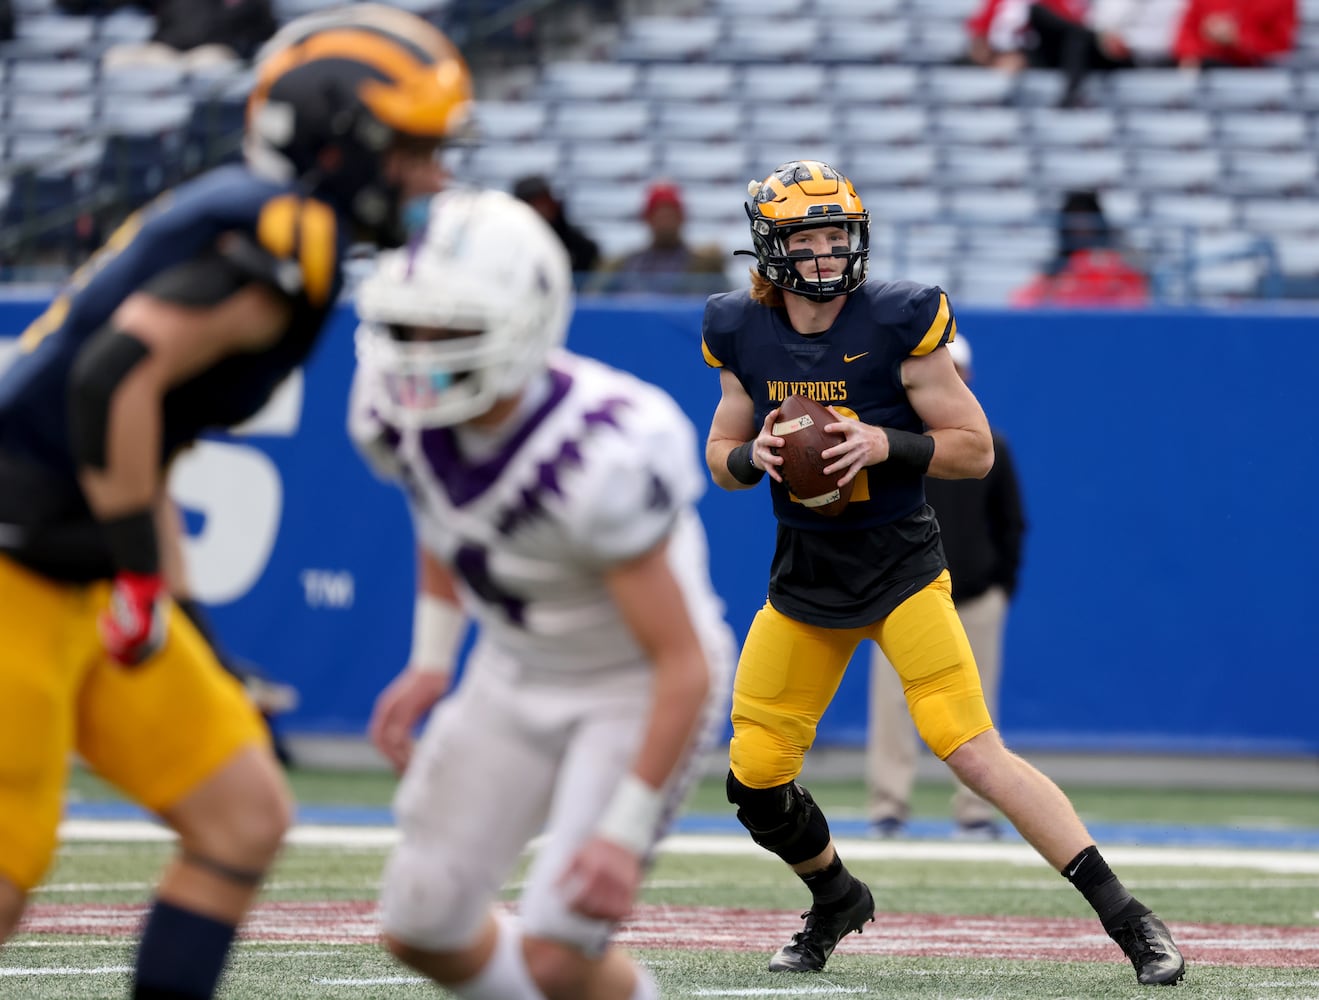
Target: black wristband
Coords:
[[132, 542], [906, 448], [740, 467]]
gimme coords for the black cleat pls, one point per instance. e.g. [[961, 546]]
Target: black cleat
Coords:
[[1146, 941], [811, 946]]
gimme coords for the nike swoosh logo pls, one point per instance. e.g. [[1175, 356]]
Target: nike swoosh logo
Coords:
[[1071, 873], [848, 358]]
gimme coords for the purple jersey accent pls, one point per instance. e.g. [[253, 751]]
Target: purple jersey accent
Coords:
[[464, 481]]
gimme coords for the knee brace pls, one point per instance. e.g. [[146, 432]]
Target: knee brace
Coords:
[[783, 819]]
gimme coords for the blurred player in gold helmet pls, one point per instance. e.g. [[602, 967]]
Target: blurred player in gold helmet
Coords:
[[196, 309]]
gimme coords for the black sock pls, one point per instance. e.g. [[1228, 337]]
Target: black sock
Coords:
[[1103, 890], [181, 955], [831, 887]]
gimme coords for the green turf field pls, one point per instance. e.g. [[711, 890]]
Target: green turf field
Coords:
[[951, 925]]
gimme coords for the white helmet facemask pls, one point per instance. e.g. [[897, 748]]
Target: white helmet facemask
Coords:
[[467, 314]]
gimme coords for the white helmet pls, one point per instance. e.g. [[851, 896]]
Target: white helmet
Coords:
[[487, 266]]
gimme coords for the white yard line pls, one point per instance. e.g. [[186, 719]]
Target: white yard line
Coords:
[[1285, 862]]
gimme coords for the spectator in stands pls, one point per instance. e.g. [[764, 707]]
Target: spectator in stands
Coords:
[[667, 265], [998, 33], [1089, 269], [583, 251], [1239, 33], [197, 33], [982, 525], [1112, 34]]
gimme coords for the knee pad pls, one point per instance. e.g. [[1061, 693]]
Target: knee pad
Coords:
[[783, 819], [428, 904]]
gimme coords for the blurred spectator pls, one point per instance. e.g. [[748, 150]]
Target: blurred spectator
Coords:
[[1089, 269], [1113, 34], [6, 21], [583, 251], [667, 265], [198, 33], [997, 33], [1235, 32]]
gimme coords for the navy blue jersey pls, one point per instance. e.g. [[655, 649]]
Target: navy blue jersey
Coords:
[[250, 229], [854, 366]]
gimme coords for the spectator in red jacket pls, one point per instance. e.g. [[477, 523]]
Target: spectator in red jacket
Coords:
[[1089, 269], [1238, 33], [997, 32]]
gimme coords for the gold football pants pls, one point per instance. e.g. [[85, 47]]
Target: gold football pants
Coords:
[[157, 730], [789, 672]]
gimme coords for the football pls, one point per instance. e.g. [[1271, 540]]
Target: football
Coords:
[[801, 424]]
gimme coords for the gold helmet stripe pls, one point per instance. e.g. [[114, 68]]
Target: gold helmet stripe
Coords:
[[416, 97]]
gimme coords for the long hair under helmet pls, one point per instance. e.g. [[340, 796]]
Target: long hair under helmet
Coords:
[[335, 90], [805, 194]]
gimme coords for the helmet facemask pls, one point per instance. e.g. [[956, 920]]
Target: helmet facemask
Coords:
[[467, 314]]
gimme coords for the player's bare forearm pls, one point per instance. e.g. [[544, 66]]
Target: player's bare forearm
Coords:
[[961, 453]]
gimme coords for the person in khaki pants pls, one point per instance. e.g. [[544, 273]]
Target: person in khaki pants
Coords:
[[982, 525]]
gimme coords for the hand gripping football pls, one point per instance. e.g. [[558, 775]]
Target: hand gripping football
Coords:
[[801, 424]]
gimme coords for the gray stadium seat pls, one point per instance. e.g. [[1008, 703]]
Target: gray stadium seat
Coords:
[[987, 167], [995, 205], [499, 165], [698, 121], [1280, 215], [1263, 130], [589, 121], [160, 114], [669, 38], [73, 77], [967, 85], [990, 281], [935, 43], [611, 161], [46, 113], [1072, 128], [859, 41], [599, 202], [705, 161], [590, 81], [1277, 173], [721, 202], [804, 82], [894, 205], [1030, 244], [1164, 170], [1297, 255], [126, 82], [866, 10], [1163, 128], [1088, 168], [803, 123], [1042, 88], [1249, 89], [504, 121], [979, 126], [771, 41], [1308, 96], [1205, 211], [752, 10], [702, 82], [896, 126], [54, 35], [877, 84], [765, 156], [1154, 88], [882, 166], [615, 237], [126, 27]]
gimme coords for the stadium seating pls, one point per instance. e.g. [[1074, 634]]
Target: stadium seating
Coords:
[[955, 161]]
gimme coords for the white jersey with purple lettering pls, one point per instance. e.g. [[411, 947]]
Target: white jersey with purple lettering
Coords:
[[597, 468]]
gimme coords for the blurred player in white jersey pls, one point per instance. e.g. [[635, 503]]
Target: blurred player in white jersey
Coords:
[[553, 501]]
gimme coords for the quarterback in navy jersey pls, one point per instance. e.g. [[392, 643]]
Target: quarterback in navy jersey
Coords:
[[189, 317], [876, 355]]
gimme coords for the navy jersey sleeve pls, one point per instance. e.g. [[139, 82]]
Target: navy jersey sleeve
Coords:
[[919, 316], [719, 326]]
